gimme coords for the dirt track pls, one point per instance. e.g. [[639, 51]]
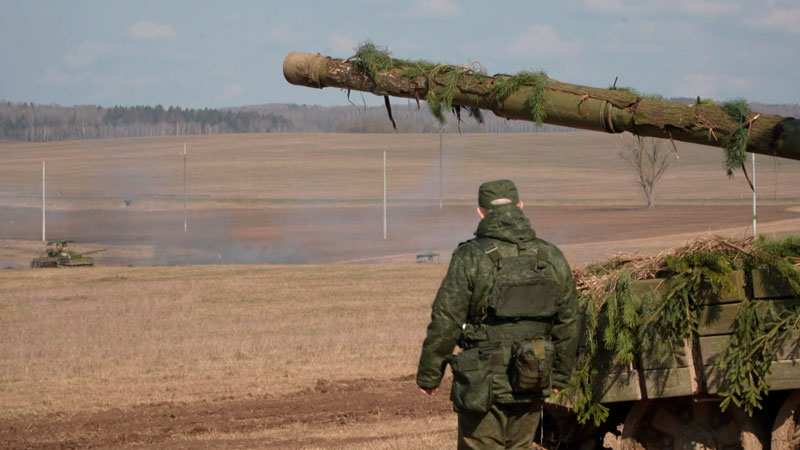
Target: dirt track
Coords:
[[321, 235], [197, 425]]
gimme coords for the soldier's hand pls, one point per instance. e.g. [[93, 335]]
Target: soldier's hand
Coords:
[[428, 391]]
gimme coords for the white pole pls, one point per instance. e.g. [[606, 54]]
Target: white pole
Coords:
[[184, 188], [753, 160], [440, 167], [44, 227], [384, 195]]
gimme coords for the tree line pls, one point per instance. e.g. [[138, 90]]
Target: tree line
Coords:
[[409, 118], [31, 122], [39, 123]]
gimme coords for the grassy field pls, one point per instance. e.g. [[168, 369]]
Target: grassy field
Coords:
[[316, 198], [99, 339], [304, 356], [263, 170], [105, 337]]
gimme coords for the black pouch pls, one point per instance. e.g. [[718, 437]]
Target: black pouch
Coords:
[[472, 384], [532, 367]]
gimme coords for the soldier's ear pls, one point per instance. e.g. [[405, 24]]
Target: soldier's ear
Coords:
[[519, 205], [481, 212]]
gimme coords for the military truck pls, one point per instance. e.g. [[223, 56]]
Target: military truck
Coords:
[[57, 255], [652, 402], [675, 403]]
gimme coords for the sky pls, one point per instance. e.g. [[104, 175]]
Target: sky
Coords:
[[200, 54]]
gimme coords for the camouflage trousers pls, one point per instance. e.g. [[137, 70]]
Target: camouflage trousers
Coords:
[[504, 426]]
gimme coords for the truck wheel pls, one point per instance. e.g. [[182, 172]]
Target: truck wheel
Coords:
[[786, 430], [681, 423]]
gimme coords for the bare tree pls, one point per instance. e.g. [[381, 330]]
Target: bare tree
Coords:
[[649, 159]]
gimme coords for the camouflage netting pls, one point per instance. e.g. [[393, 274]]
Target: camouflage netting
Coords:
[[621, 324]]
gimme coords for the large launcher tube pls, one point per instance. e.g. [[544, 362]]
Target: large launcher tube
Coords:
[[570, 105]]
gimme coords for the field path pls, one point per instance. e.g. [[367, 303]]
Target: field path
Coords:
[[583, 253], [266, 422]]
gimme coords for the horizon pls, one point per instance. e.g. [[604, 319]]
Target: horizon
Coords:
[[114, 53], [294, 104]]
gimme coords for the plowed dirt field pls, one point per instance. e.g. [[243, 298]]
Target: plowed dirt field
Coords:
[[256, 422]]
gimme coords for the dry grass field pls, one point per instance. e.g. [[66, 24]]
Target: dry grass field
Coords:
[[316, 198], [202, 351], [263, 170], [308, 347]]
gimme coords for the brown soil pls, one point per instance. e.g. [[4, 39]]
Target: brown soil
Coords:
[[194, 425]]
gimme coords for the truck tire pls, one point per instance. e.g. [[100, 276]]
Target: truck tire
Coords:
[[786, 429], [686, 423]]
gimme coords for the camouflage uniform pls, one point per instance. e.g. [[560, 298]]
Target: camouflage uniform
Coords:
[[460, 317]]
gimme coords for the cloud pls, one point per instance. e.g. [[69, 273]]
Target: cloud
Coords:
[[341, 45], [231, 90], [541, 40], [55, 76], [604, 5], [703, 7], [659, 7], [441, 9], [84, 55], [709, 86], [785, 20], [150, 30], [281, 33]]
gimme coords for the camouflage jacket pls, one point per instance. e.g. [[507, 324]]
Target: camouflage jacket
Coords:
[[469, 282]]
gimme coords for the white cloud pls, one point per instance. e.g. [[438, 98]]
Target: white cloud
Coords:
[[709, 86], [604, 5], [781, 3], [55, 76], [634, 8], [84, 55], [786, 20], [231, 90], [541, 40], [342, 45], [150, 30], [703, 7], [281, 33], [442, 9]]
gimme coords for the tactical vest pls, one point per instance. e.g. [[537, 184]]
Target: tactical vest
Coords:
[[524, 287], [508, 357]]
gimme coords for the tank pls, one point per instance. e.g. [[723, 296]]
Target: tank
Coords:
[[693, 397], [57, 255], [536, 97]]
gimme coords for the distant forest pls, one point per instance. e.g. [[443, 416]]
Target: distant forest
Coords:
[[31, 122]]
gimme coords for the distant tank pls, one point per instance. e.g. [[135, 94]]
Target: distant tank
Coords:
[[57, 255]]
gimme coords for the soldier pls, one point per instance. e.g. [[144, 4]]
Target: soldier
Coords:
[[509, 302]]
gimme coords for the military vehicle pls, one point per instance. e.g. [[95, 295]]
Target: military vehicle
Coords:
[[651, 403], [676, 403], [535, 97], [430, 257], [57, 255]]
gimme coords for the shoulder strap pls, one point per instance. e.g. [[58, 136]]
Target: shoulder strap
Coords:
[[542, 258], [542, 255], [490, 248]]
